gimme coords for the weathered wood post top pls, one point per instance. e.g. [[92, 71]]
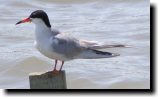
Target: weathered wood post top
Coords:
[[48, 80]]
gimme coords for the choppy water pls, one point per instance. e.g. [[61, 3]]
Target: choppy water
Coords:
[[120, 21]]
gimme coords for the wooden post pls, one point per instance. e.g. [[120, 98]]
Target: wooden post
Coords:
[[48, 80]]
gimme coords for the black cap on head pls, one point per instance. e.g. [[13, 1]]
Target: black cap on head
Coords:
[[41, 14]]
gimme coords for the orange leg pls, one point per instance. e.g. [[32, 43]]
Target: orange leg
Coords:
[[61, 66], [55, 70]]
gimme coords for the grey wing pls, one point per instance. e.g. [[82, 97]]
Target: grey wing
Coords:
[[55, 32], [100, 45], [67, 46]]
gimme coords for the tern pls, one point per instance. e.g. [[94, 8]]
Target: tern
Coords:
[[61, 47]]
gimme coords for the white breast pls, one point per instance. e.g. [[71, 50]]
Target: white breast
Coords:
[[44, 45]]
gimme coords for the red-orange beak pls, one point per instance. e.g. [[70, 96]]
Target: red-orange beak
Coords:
[[24, 20]]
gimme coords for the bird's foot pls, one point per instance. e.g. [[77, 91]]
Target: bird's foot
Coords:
[[55, 71]]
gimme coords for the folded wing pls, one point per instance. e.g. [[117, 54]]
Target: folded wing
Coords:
[[99, 45]]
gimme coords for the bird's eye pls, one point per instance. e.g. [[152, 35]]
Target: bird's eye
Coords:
[[33, 15]]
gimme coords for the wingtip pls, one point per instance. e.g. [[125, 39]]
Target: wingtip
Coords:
[[128, 46], [115, 54]]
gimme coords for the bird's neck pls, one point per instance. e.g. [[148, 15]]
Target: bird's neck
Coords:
[[42, 27], [42, 31]]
